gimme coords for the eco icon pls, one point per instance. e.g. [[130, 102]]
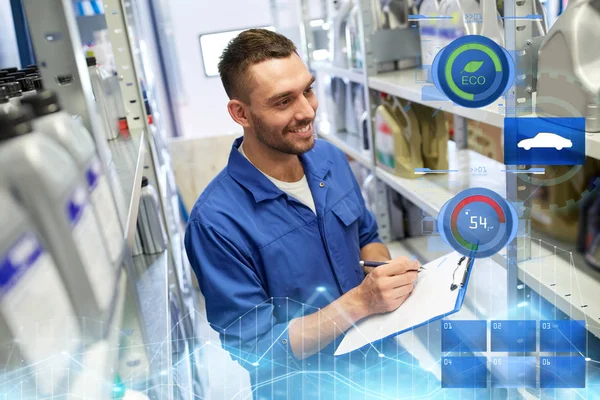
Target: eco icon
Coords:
[[472, 67], [473, 71]]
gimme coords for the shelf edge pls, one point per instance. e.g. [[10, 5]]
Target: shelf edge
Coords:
[[346, 148], [328, 68], [134, 204]]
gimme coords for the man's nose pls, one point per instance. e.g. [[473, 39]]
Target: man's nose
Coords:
[[305, 110]]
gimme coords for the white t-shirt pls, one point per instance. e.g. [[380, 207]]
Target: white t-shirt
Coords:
[[298, 190]]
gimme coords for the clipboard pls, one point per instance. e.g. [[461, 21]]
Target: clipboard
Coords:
[[431, 299]]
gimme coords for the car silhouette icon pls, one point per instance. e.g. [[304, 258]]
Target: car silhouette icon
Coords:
[[545, 140]]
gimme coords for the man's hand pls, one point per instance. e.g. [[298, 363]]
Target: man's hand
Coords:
[[386, 287], [368, 270], [383, 289]]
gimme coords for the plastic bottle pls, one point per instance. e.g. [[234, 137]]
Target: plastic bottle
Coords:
[[358, 100], [36, 315], [339, 10], [430, 43], [16, 75], [407, 140], [336, 104], [117, 98], [451, 29], [38, 83], [358, 111], [585, 204], [138, 249], [354, 53], [13, 90], [385, 129], [540, 28], [72, 135], [435, 137], [109, 123], [112, 94], [27, 86], [350, 113], [570, 51], [45, 180], [492, 26], [592, 237], [398, 139], [84, 8], [5, 105], [97, 6], [30, 70], [472, 8], [149, 223], [364, 130]]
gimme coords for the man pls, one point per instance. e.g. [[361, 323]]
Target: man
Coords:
[[276, 238]]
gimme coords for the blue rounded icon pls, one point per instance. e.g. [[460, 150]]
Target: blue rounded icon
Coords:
[[478, 222], [473, 71]]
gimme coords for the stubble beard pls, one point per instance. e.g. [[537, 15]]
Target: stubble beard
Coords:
[[278, 140]]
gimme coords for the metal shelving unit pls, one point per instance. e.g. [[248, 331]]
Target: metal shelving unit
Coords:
[[432, 191], [144, 22], [564, 280], [149, 334], [406, 85], [561, 277], [347, 142], [327, 68]]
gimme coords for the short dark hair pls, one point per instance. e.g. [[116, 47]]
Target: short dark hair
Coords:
[[250, 47]]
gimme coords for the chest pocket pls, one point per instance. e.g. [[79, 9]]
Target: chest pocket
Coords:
[[343, 230], [347, 210]]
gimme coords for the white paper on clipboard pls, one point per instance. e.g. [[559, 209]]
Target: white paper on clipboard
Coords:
[[431, 299]]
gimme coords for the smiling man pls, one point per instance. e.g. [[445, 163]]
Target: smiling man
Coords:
[[276, 238]]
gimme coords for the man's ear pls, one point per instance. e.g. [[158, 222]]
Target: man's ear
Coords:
[[239, 112]]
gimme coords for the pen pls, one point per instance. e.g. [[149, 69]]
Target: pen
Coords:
[[371, 263], [378, 263]]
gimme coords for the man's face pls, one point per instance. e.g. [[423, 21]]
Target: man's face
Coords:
[[283, 105]]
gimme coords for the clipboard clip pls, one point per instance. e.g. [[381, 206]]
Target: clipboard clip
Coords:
[[455, 285]]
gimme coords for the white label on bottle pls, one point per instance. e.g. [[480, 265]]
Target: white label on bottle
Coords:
[[106, 211], [88, 241], [37, 310], [385, 142]]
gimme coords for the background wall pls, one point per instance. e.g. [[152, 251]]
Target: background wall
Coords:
[[203, 112]]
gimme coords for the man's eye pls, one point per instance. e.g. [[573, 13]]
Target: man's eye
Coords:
[[307, 91], [285, 102]]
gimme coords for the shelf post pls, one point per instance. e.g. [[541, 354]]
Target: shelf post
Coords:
[[382, 206], [518, 33]]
